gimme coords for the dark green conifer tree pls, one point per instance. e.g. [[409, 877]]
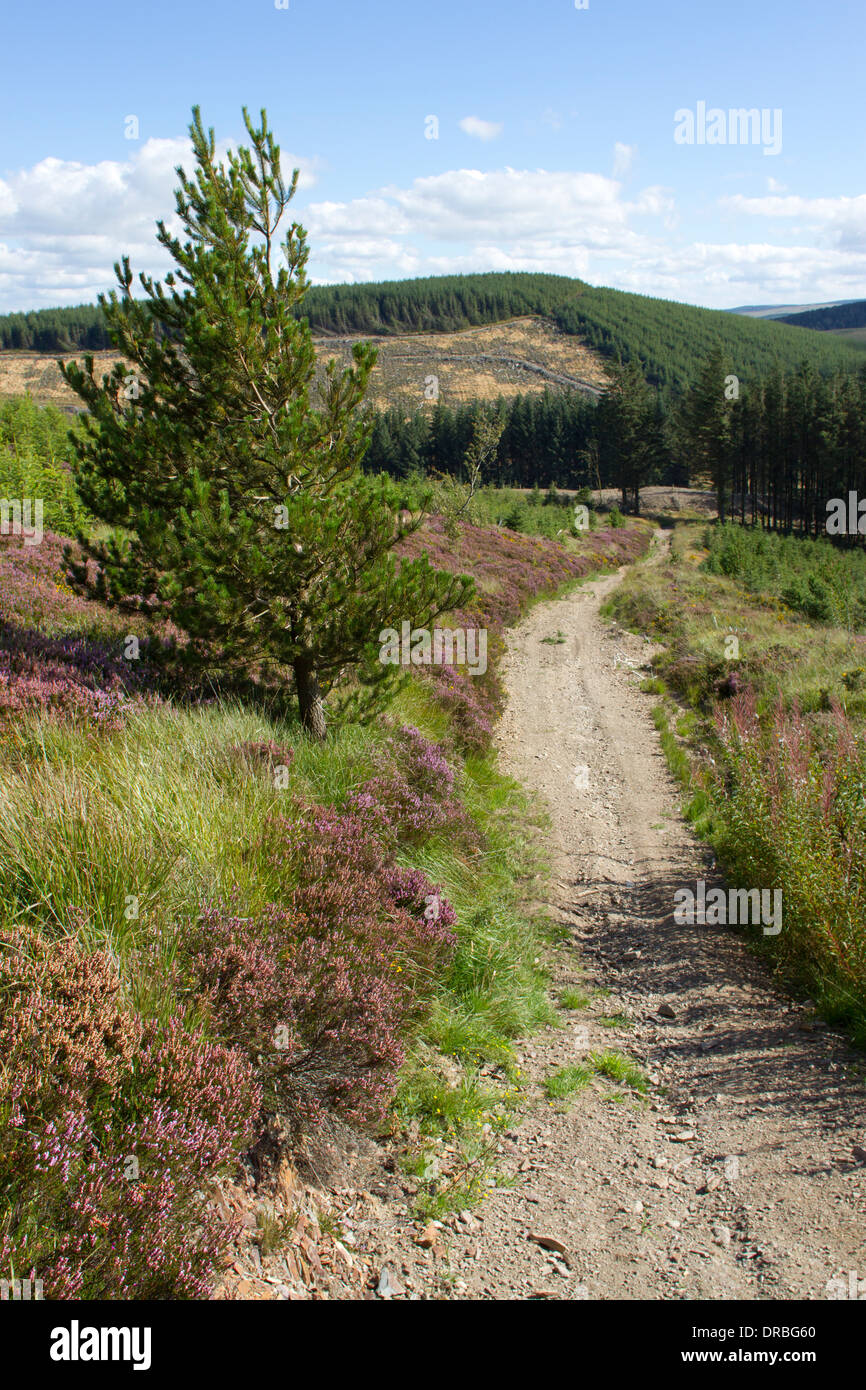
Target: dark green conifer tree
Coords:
[[231, 496]]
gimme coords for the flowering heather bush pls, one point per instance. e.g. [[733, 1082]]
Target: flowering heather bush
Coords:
[[473, 702], [322, 988], [62, 654], [87, 1092], [34, 593], [412, 797], [71, 676], [58, 653], [510, 571], [793, 798]]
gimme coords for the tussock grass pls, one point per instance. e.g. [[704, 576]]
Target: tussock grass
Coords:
[[573, 999], [563, 1082], [617, 1067]]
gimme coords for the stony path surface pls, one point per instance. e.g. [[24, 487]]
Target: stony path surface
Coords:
[[741, 1173]]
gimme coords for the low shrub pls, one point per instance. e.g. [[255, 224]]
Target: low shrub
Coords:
[[113, 1132], [811, 576], [34, 462], [412, 796], [321, 990]]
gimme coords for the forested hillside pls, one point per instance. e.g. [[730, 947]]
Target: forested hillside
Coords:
[[665, 338], [670, 340], [439, 303], [55, 330]]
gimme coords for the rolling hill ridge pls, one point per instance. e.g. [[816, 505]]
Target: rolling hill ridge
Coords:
[[479, 336]]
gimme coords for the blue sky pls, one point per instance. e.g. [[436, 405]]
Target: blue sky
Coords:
[[555, 146]]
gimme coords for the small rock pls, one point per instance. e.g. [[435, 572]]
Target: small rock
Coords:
[[222, 1205], [548, 1242], [388, 1285], [666, 1010]]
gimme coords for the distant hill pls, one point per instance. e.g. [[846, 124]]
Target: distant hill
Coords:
[[437, 303], [786, 311], [441, 303], [479, 335], [55, 330], [832, 318]]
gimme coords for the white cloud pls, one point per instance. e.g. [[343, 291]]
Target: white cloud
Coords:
[[466, 219], [723, 274], [478, 129], [63, 223], [832, 222], [814, 210], [504, 204]]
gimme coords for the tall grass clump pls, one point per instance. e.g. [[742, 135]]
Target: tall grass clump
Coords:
[[792, 804]]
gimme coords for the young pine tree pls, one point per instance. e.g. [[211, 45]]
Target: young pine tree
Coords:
[[230, 495]]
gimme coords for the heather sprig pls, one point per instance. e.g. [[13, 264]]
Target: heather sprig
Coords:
[[114, 1130], [412, 796]]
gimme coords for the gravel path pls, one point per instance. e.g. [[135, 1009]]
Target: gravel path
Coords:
[[738, 1175]]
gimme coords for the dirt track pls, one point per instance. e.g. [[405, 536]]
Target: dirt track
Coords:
[[737, 1178], [742, 1171]]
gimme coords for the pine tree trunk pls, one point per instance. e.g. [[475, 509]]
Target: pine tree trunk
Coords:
[[309, 698]]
